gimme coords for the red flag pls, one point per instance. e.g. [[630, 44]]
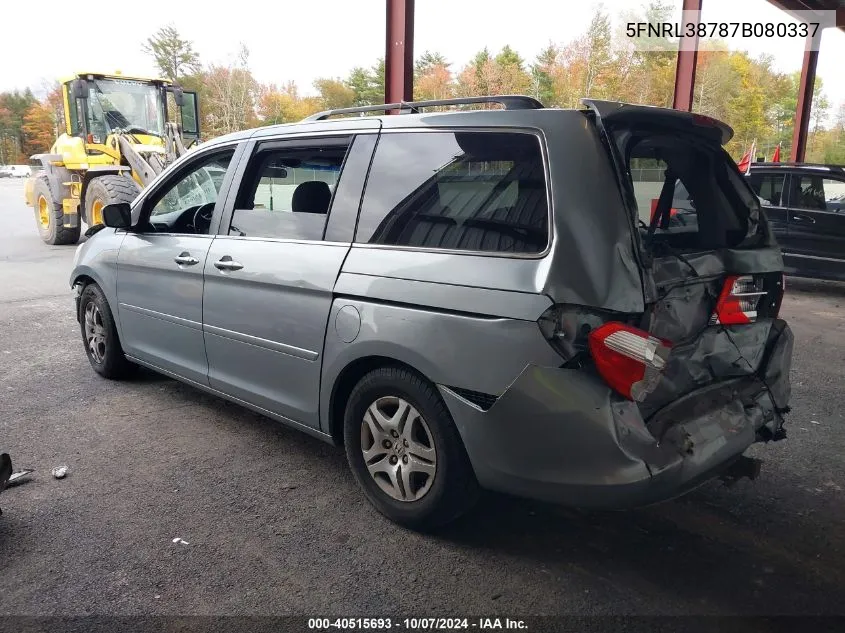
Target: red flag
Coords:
[[744, 163], [776, 155]]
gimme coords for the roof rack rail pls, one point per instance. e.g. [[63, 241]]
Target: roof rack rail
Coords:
[[792, 163], [509, 102]]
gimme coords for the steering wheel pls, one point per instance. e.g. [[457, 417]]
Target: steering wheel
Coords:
[[135, 129], [202, 218]]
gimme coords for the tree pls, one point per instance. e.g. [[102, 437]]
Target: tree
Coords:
[[55, 100], [597, 50], [542, 75], [231, 95], [367, 84], [14, 105], [486, 75], [427, 62], [284, 105], [334, 93], [434, 83], [432, 77], [509, 57], [174, 56], [39, 128]]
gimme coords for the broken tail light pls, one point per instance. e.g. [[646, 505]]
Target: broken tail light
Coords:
[[630, 360], [745, 297]]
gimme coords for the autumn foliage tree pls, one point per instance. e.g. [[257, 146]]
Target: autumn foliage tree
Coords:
[[284, 104], [39, 128]]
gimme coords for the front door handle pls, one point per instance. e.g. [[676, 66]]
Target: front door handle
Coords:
[[802, 218], [227, 263], [186, 259]]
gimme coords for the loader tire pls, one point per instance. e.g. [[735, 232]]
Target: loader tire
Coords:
[[49, 216], [107, 190]]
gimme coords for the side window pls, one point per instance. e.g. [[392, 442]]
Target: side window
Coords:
[[473, 191], [768, 186], [818, 193], [286, 192], [186, 204], [73, 113]]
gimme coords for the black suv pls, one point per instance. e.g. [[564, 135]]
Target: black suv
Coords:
[[805, 204]]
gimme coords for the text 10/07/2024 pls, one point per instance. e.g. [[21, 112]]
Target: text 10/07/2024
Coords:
[[417, 624]]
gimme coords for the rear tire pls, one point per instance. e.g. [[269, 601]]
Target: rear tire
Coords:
[[49, 216], [105, 190], [99, 336], [426, 443]]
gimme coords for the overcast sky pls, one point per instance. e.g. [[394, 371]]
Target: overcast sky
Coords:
[[301, 41]]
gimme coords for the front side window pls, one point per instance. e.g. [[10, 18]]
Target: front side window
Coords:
[[768, 186], [286, 193], [472, 191], [817, 193], [186, 205]]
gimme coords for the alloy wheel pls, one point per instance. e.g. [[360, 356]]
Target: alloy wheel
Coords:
[[95, 332]]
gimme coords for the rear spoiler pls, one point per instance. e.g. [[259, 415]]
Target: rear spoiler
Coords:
[[613, 113]]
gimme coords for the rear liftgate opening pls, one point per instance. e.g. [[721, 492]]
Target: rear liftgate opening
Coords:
[[712, 283]]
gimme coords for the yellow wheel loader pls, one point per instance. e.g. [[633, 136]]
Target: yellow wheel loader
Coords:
[[117, 140]]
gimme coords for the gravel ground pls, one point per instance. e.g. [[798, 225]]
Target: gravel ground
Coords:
[[275, 525]]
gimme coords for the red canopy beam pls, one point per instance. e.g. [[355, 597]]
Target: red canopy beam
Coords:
[[399, 52], [805, 96], [687, 60]]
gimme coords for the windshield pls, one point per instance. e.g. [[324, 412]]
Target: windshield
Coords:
[[126, 105]]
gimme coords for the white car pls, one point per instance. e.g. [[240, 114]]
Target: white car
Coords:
[[15, 171]]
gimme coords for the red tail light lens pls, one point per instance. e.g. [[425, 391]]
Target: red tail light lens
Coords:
[[738, 301], [630, 360]]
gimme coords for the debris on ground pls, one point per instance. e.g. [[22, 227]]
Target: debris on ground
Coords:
[[180, 541], [16, 477], [60, 472]]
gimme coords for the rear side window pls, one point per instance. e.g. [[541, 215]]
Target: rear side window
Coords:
[[472, 191], [768, 186]]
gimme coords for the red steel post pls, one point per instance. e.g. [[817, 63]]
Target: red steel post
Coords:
[[687, 60], [399, 52], [805, 97]]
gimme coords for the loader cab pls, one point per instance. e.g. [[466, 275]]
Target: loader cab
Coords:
[[99, 105]]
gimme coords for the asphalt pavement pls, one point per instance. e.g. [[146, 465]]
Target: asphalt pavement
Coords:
[[271, 522]]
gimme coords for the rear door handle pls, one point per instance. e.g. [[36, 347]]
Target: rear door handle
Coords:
[[186, 259], [803, 218], [227, 263]]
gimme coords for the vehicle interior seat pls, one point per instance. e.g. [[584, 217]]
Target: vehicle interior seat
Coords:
[[313, 196]]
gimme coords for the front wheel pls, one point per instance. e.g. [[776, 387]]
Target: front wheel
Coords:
[[104, 190], [405, 450], [99, 335]]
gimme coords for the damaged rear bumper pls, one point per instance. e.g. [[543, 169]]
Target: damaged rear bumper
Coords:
[[562, 435]]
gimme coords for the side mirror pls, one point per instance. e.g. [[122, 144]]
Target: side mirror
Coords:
[[178, 95], [117, 215], [79, 88]]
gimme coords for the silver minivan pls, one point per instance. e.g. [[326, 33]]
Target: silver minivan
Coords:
[[464, 299]]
